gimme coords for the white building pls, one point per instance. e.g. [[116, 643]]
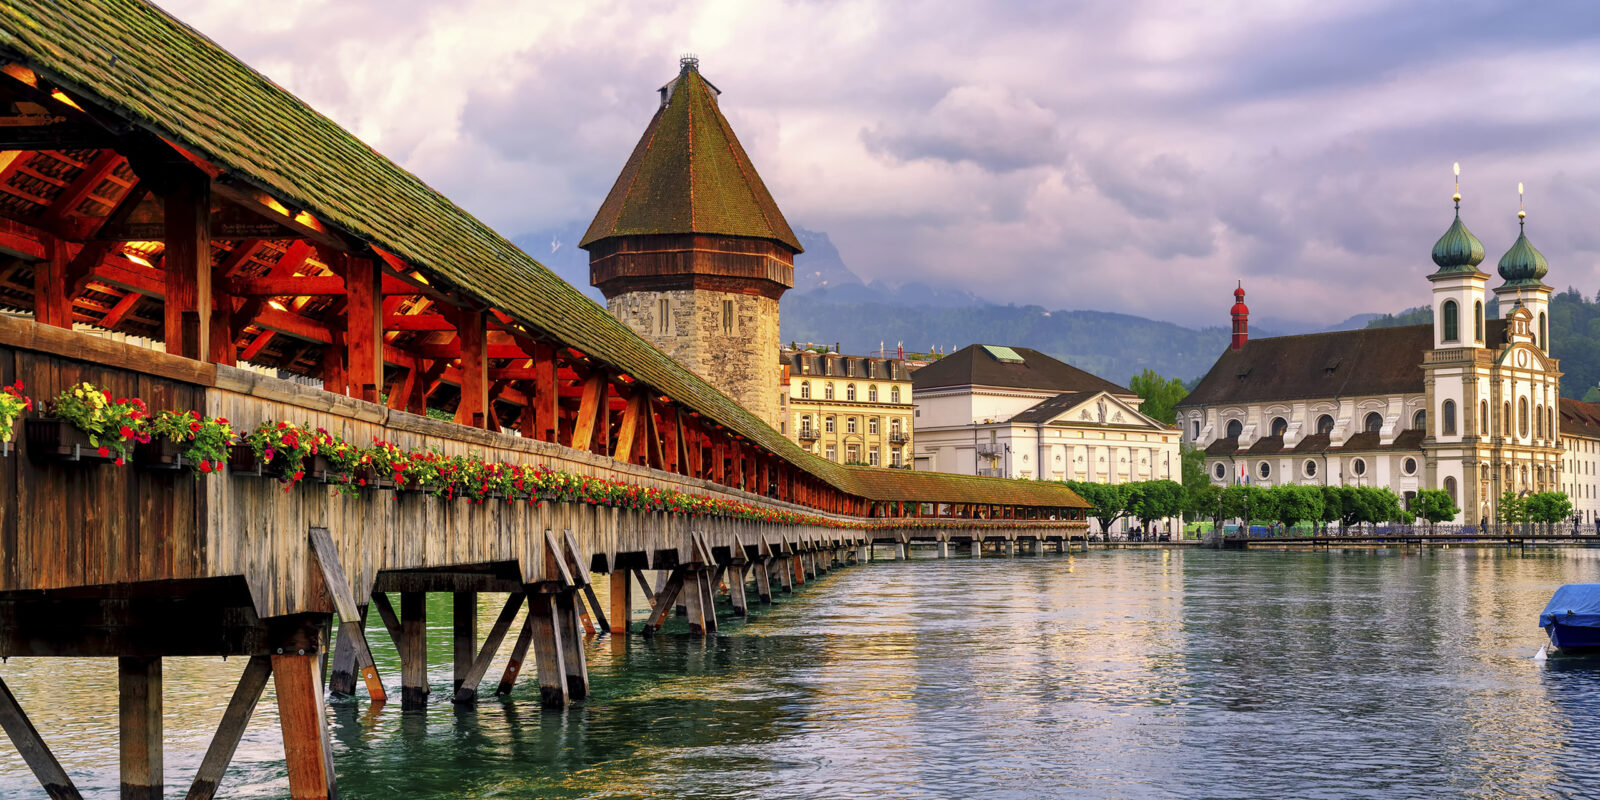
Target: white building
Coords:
[[1019, 413], [1466, 404], [1580, 466]]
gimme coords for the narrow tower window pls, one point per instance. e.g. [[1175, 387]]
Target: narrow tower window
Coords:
[[1542, 331], [1478, 322], [727, 317], [661, 325], [1483, 418], [1448, 423], [1452, 323]]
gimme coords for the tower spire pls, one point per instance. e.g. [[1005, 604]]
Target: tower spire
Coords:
[[1457, 196], [1241, 319]]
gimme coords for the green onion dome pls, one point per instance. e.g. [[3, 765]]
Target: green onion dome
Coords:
[[1458, 250], [1523, 264]]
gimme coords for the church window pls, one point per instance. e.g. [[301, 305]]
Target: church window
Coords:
[[1522, 417], [1538, 422], [1310, 468], [1505, 420], [1359, 466], [1265, 470], [1220, 471], [727, 317], [827, 424], [1325, 424], [1235, 427], [1542, 330], [1373, 423], [1452, 322], [1410, 466], [894, 394], [1483, 417], [872, 425], [1550, 422], [1419, 420], [662, 316], [805, 390], [1450, 487], [1194, 430], [1448, 423], [1478, 323], [827, 391], [1280, 426], [850, 392], [849, 424]]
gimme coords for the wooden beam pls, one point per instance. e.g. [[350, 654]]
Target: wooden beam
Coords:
[[519, 654], [351, 616], [548, 650], [665, 600], [68, 200], [304, 726], [632, 414], [473, 337], [413, 651], [621, 586], [187, 262], [589, 409], [467, 692], [51, 303], [231, 730], [546, 395], [139, 727], [580, 572], [363, 326], [35, 753]]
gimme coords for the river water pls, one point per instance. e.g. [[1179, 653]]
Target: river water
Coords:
[[1122, 673]]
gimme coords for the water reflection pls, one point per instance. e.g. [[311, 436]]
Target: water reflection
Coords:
[[1366, 673]]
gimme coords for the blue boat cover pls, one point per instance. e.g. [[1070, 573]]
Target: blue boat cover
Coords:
[[1575, 604]]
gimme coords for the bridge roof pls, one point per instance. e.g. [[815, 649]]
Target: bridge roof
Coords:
[[146, 68]]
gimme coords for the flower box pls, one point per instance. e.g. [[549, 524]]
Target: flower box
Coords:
[[58, 440], [160, 454], [242, 460]]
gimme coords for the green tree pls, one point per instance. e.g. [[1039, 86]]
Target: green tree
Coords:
[[1244, 503], [1512, 509], [1205, 502], [1155, 500], [1332, 505], [1435, 506], [1108, 501], [1548, 507], [1161, 395], [1194, 466], [1292, 504]]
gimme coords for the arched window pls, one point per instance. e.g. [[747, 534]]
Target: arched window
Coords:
[[1373, 423], [1235, 427], [1483, 418], [872, 393], [894, 394], [1452, 321], [1505, 420], [1450, 487], [1542, 331], [850, 392], [1280, 426], [1194, 429], [1478, 322], [1419, 420], [827, 390], [1448, 423], [1325, 424], [805, 390], [1538, 422], [1522, 417]]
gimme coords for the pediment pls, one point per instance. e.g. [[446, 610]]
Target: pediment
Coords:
[[1523, 355], [1104, 408]]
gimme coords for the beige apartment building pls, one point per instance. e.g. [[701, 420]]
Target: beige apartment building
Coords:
[[848, 409]]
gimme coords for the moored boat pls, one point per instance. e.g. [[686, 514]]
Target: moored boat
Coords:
[[1572, 618]]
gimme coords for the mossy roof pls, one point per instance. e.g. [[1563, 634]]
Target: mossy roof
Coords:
[[688, 174], [143, 65]]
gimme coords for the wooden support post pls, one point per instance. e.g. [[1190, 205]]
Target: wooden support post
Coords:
[[695, 601], [621, 600], [413, 651], [572, 656], [52, 304], [304, 725], [546, 395], [763, 569], [464, 611], [186, 263], [391, 621], [580, 576], [630, 427], [736, 590], [665, 599], [798, 561], [473, 334], [547, 649], [25, 738], [589, 412], [234, 721], [519, 654], [785, 573], [363, 338], [352, 620], [139, 715], [467, 692]]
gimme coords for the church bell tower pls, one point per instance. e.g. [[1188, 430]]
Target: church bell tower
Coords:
[[691, 251]]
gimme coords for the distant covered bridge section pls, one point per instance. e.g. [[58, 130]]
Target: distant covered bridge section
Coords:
[[151, 185]]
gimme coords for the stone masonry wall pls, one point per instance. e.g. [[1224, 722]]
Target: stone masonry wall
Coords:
[[740, 359]]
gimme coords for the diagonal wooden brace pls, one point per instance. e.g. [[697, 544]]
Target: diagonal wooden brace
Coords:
[[350, 616]]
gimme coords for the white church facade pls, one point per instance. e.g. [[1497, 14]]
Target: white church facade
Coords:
[[1465, 404]]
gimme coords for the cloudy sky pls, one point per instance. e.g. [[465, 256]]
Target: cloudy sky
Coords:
[[1130, 156]]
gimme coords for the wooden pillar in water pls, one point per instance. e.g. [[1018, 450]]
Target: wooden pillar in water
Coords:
[[621, 600], [785, 569], [139, 725], [899, 551], [573, 662], [305, 727], [413, 650], [763, 570], [548, 649], [736, 590], [977, 547], [464, 639]]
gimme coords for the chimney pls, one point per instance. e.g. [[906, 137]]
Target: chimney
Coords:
[[1241, 319]]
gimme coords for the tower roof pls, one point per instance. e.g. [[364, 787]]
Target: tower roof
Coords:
[[688, 174], [1458, 250]]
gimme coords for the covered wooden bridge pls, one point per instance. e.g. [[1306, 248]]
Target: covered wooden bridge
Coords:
[[154, 187]]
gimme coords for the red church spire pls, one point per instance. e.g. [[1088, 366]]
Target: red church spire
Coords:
[[1241, 318]]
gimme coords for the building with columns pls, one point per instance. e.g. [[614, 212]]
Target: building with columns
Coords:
[[1016, 412], [691, 251], [848, 409], [1465, 404]]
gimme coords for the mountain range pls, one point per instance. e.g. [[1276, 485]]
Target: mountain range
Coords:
[[831, 305]]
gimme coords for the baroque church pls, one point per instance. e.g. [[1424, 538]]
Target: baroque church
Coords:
[[1466, 404]]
